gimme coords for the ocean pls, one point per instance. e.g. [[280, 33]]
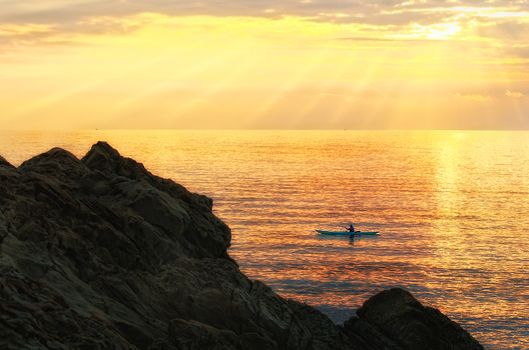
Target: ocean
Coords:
[[452, 208]]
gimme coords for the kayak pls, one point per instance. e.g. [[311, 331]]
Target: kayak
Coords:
[[346, 233]]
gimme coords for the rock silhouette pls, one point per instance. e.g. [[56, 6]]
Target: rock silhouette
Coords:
[[98, 253]]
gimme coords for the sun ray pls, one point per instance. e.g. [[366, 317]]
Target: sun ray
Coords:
[[330, 70], [288, 84]]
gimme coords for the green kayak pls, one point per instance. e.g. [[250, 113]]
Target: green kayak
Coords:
[[346, 233]]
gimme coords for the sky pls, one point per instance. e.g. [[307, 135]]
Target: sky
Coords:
[[264, 64]]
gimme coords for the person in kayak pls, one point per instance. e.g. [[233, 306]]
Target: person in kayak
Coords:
[[351, 228]]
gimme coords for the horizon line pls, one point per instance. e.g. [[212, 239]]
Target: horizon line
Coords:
[[257, 129]]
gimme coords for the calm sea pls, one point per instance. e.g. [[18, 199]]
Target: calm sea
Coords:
[[452, 208]]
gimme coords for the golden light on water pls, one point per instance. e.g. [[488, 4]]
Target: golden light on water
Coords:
[[452, 207]]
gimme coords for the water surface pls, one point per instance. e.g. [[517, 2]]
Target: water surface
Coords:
[[452, 209]]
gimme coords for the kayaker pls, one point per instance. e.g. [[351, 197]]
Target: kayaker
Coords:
[[351, 228]]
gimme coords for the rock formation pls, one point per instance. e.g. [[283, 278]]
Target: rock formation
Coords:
[[98, 253]]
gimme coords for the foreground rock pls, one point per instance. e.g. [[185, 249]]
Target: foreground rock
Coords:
[[98, 253]]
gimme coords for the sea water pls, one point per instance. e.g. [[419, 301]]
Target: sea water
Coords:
[[452, 208]]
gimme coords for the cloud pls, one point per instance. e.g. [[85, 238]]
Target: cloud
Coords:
[[476, 97], [354, 11], [520, 51], [514, 94], [18, 34], [505, 20], [513, 29]]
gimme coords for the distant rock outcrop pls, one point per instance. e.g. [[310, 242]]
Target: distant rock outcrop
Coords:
[[395, 317], [98, 253]]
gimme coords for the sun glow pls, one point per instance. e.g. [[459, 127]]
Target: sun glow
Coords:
[[164, 71]]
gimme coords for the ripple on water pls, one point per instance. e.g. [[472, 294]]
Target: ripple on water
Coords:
[[453, 210]]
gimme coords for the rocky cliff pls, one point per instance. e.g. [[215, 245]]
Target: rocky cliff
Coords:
[[98, 253]]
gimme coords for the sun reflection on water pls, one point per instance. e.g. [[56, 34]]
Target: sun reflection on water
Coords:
[[453, 209]]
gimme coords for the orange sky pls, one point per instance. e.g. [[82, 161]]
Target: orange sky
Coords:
[[264, 64]]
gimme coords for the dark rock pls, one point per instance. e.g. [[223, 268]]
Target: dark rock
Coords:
[[325, 333], [396, 316], [190, 335], [98, 253], [5, 163], [55, 160], [106, 159]]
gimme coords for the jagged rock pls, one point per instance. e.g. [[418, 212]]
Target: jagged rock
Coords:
[[326, 336], [98, 253], [4, 162], [396, 317]]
